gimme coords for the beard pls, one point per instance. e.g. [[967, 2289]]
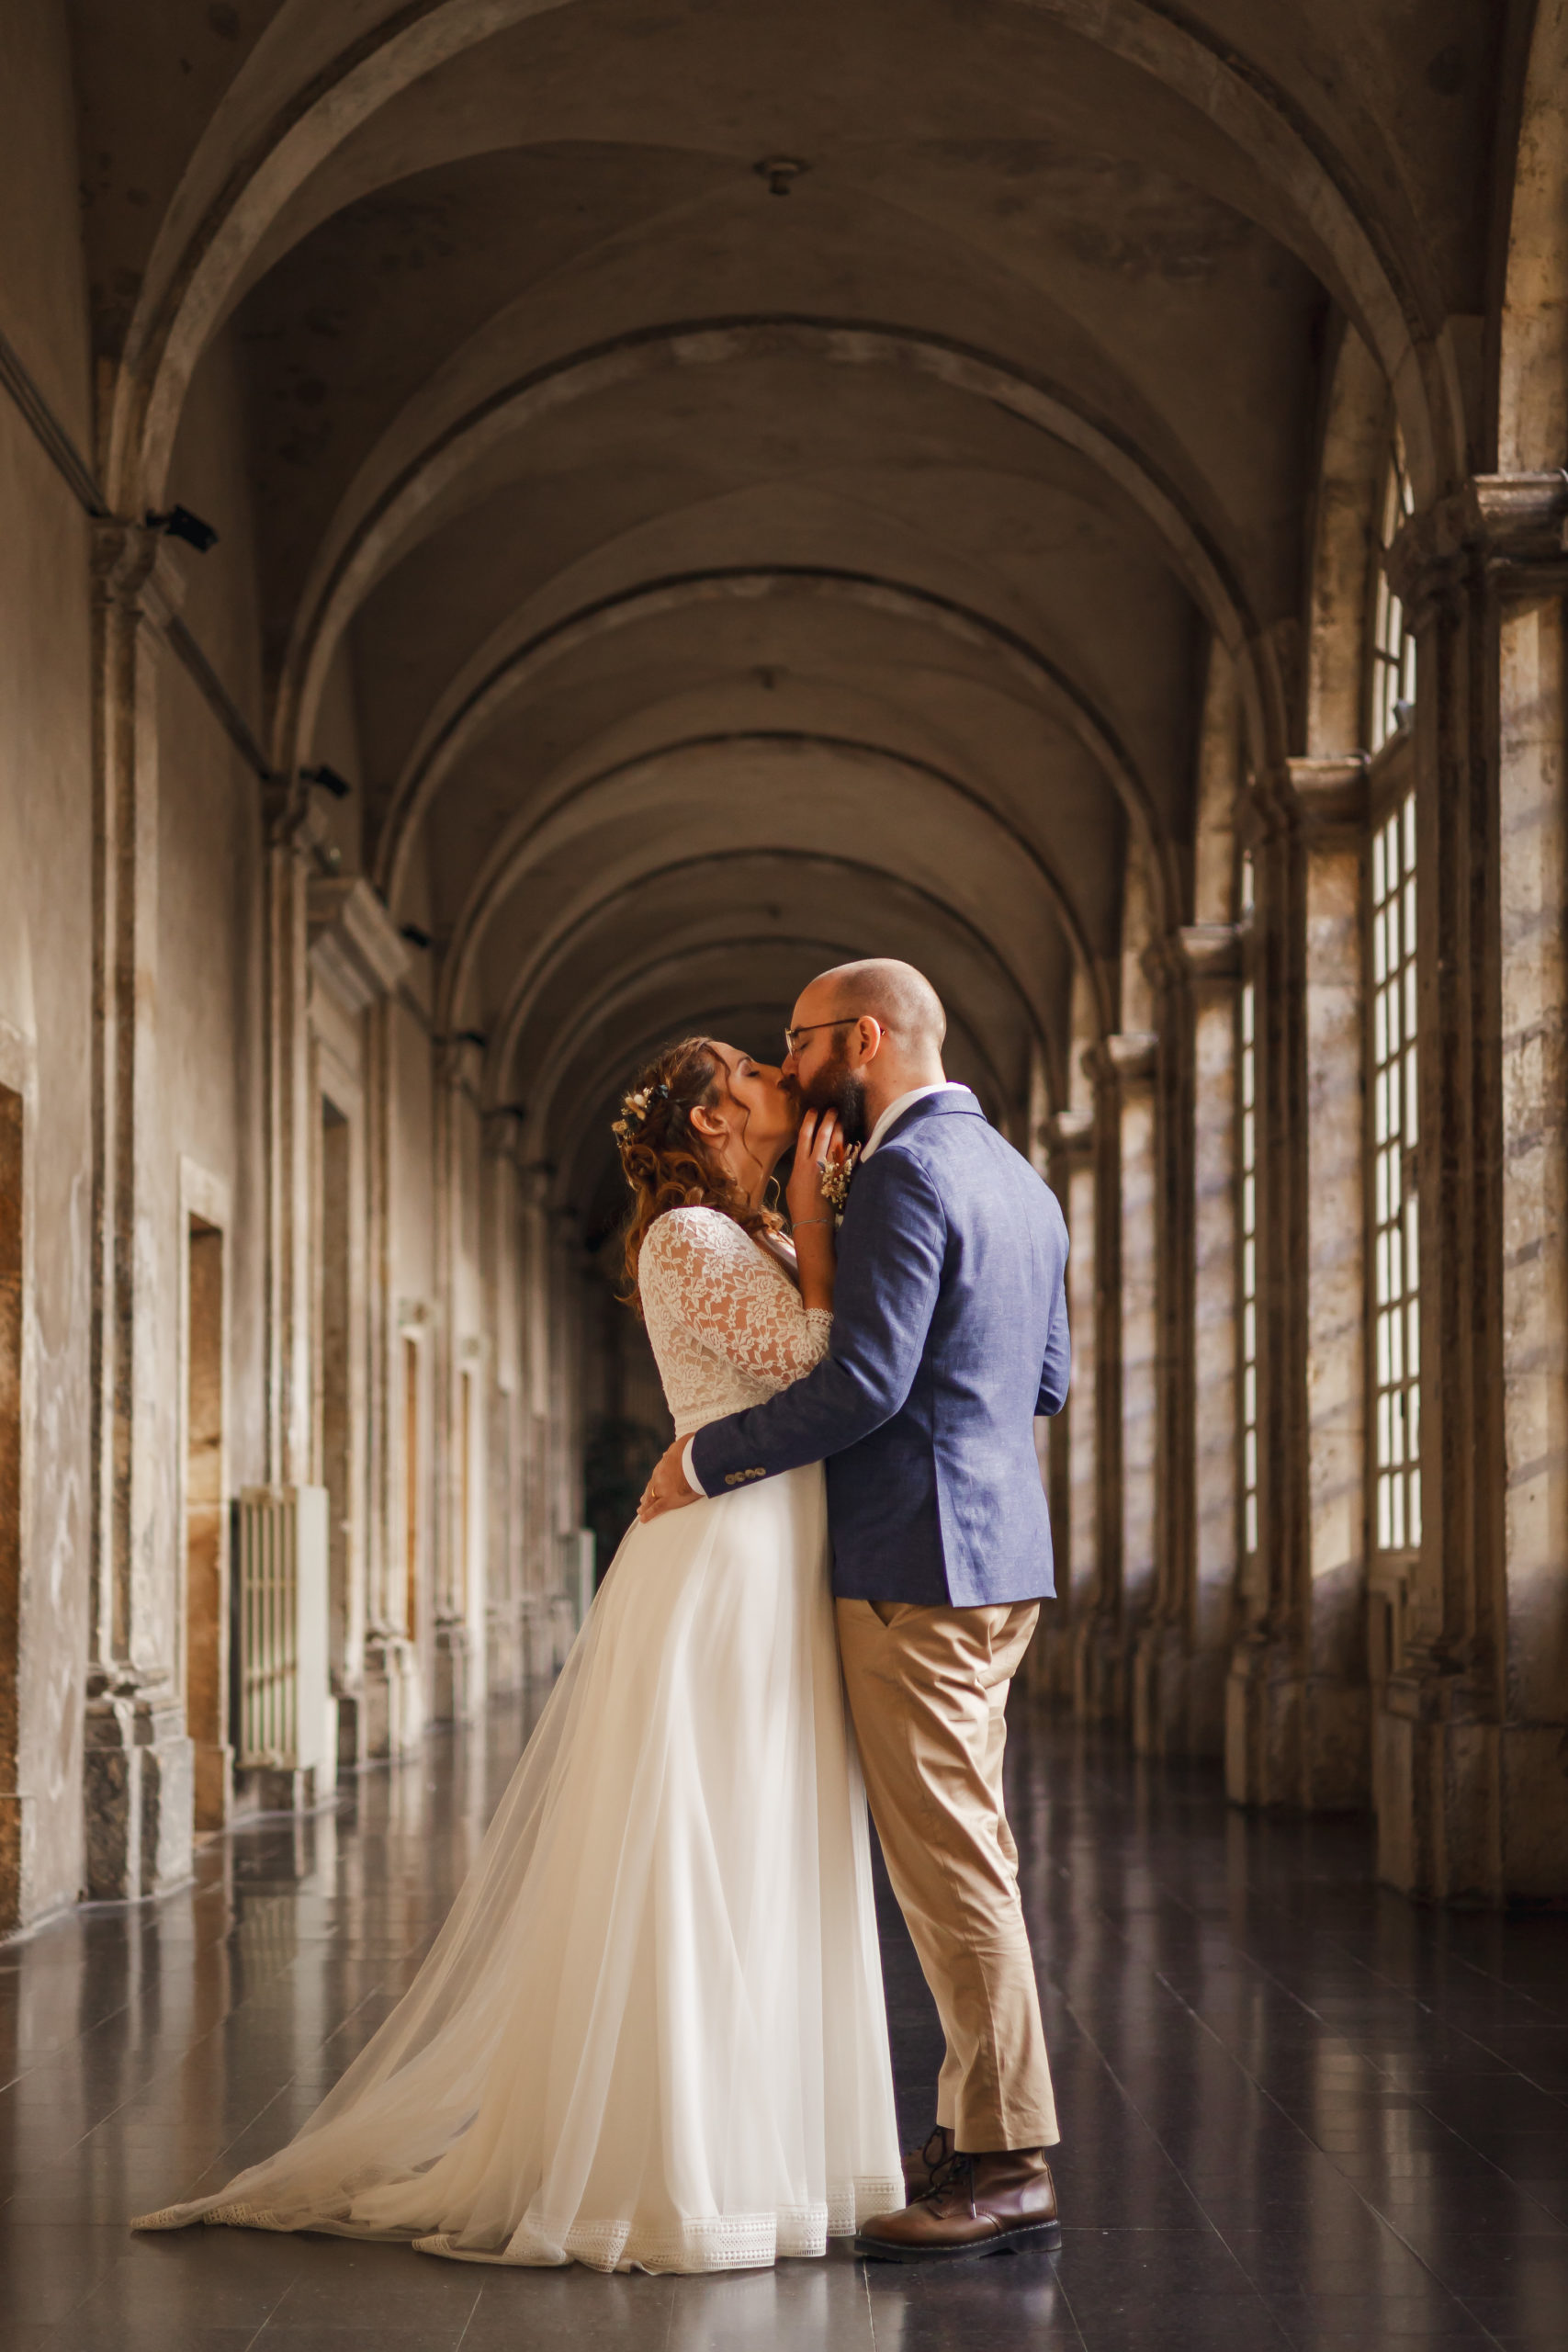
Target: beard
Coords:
[[837, 1087]]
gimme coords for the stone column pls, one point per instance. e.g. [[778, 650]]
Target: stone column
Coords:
[[1160, 1646], [1263, 1682], [1531, 1778], [1298, 1700], [1123, 1068], [1212, 953], [1472, 1802], [505, 1651], [391, 1702], [1184, 1652], [1069, 1137], [1331, 1627], [457, 1663], [534, 1377], [138, 1769], [356, 957]]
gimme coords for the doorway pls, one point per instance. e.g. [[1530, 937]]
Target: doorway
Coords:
[[207, 1528]]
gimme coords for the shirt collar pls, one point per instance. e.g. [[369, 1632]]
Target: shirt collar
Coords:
[[903, 1103]]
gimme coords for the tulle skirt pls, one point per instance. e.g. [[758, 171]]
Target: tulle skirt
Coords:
[[651, 2033]]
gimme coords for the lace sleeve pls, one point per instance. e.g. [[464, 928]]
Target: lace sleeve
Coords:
[[714, 1279]]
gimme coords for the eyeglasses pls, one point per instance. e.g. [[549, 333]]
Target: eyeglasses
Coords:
[[794, 1037]]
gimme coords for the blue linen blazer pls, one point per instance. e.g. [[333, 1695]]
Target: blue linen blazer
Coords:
[[950, 1334]]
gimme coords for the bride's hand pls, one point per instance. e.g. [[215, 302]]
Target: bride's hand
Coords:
[[818, 1146]]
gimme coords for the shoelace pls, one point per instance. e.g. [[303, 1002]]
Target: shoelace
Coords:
[[948, 2173]]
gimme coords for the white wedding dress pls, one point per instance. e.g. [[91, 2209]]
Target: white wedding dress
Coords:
[[651, 2033]]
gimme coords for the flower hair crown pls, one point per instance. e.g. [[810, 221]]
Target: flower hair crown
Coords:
[[635, 1109]]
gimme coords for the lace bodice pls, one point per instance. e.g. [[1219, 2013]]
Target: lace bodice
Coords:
[[725, 1322]]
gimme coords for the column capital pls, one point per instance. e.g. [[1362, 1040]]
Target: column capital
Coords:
[[451, 1054], [1207, 951], [1127, 1057], [500, 1129], [136, 569], [356, 948], [1505, 531], [1329, 795], [1070, 1134]]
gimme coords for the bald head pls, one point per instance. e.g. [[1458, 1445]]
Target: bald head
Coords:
[[897, 996], [864, 1034]]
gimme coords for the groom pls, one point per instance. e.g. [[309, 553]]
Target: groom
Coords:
[[950, 1334]]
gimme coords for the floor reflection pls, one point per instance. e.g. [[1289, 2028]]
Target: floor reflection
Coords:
[[1299, 2110]]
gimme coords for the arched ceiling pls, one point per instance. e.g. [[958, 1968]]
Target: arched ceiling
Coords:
[[733, 569]]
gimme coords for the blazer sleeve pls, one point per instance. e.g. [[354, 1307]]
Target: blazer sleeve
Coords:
[[892, 1245], [1057, 1371]]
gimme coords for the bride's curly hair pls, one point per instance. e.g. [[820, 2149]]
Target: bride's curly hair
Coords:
[[665, 1161]]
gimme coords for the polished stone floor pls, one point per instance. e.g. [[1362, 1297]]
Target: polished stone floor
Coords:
[[1297, 2111]]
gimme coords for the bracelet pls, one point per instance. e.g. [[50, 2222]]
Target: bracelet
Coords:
[[802, 1221]]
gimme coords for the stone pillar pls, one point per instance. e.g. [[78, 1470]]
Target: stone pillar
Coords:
[[1263, 1682], [1127, 1406], [356, 958], [538, 1529], [1334, 1760], [1212, 953], [1184, 1654], [1070, 1140], [456, 1660], [1298, 1697], [392, 1704], [505, 1654], [1532, 1778], [138, 1769], [1472, 1802]]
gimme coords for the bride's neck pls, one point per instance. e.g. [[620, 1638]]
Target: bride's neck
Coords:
[[749, 1180]]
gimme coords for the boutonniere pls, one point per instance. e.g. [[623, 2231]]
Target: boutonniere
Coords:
[[836, 1181]]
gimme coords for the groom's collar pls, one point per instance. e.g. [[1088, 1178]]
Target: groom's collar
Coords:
[[902, 1102]]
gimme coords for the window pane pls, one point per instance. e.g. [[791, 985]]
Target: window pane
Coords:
[[1395, 1255]]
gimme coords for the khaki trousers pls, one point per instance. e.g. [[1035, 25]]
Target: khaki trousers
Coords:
[[928, 1695]]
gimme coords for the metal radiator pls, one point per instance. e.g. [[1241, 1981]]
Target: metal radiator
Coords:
[[281, 1629]]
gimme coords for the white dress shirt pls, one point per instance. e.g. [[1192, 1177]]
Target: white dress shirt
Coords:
[[896, 1110]]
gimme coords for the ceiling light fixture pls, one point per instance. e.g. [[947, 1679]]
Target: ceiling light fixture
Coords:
[[781, 171], [179, 522], [329, 780]]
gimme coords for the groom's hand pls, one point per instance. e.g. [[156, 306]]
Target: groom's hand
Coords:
[[667, 1489]]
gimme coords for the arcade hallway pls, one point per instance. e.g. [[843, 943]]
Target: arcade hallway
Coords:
[[1299, 2111]]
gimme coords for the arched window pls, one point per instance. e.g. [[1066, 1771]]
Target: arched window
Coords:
[[1392, 647]]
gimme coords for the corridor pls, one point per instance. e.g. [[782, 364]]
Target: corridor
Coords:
[[1296, 2109], [528, 530]]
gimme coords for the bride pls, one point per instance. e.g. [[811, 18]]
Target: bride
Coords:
[[651, 2033]]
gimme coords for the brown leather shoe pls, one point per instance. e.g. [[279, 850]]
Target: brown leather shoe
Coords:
[[922, 2164], [999, 2203]]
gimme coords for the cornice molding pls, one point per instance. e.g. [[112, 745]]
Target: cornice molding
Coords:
[[1070, 1134], [1210, 951], [355, 950], [1329, 794], [1508, 532], [1125, 1058]]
